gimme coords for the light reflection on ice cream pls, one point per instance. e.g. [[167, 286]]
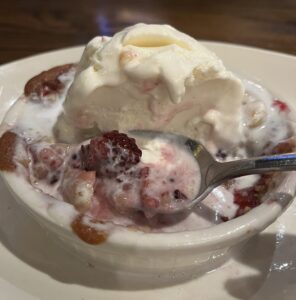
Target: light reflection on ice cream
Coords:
[[153, 77]]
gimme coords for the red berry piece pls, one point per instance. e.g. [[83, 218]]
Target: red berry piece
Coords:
[[110, 154], [282, 106], [144, 173], [249, 198], [47, 161], [246, 199], [224, 219], [149, 202], [50, 158]]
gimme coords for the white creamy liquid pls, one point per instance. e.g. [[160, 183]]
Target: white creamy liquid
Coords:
[[34, 121]]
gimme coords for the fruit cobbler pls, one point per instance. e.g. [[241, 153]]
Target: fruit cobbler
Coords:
[[110, 180]]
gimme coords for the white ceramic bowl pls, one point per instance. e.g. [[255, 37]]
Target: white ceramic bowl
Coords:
[[139, 251], [157, 252]]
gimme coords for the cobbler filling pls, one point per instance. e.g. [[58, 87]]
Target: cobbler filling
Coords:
[[106, 176], [111, 180]]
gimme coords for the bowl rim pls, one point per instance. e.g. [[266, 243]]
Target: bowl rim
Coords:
[[216, 236]]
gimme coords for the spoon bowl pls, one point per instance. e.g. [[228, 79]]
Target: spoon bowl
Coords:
[[212, 172]]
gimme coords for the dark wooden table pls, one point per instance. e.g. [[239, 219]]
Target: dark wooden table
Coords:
[[28, 27]]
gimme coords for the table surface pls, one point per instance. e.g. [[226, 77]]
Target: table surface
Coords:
[[34, 26]]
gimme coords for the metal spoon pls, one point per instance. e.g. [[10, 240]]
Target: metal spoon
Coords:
[[212, 172]]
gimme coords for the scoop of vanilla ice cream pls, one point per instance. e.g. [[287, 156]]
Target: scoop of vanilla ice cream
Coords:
[[152, 77]]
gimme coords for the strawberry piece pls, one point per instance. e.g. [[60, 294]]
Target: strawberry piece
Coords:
[[224, 219], [50, 158], [149, 202], [143, 173], [111, 154], [282, 106], [163, 198], [246, 199], [47, 161], [249, 198]]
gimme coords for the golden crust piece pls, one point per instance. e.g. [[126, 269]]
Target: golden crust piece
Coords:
[[47, 81], [87, 233], [7, 149]]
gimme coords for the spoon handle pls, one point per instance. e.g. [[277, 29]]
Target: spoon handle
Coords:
[[220, 172]]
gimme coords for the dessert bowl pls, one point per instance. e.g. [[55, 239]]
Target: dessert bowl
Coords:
[[158, 252], [131, 250]]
